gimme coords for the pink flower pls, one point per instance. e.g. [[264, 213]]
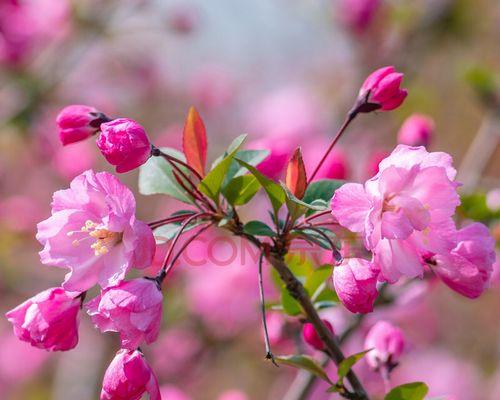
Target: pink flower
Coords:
[[336, 165], [77, 122], [312, 338], [124, 143], [468, 267], [133, 308], [47, 320], [374, 160], [417, 130], [93, 232], [381, 90], [280, 150], [387, 342], [404, 212], [129, 377], [355, 281], [358, 14]]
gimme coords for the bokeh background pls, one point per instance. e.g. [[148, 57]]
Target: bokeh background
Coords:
[[285, 72]]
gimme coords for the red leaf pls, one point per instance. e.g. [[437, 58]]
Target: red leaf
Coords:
[[194, 141], [296, 179]]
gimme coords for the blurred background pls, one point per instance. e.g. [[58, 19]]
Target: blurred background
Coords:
[[285, 72]]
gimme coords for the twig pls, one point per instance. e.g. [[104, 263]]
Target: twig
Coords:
[[269, 354]]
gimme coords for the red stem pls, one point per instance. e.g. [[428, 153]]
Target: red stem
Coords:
[[348, 120]]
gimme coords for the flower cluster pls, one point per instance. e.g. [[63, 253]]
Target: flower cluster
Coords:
[[404, 216]]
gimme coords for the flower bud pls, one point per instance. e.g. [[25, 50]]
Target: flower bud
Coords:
[[129, 377], [381, 90], [417, 130], [133, 308], [312, 338], [387, 343], [355, 281], [124, 143], [77, 122], [47, 320], [296, 180], [358, 14]]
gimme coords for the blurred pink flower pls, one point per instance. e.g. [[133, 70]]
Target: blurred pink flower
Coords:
[[312, 338], [233, 394], [336, 165], [170, 392], [211, 88], [133, 308], [387, 342], [20, 213], [382, 89], [404, 211], [48, 320], [26, 26], [457, 378], [129, 377], [358, 14], [124, 143], [373, 161], [183, 18], [493, 199], [93, 232], [355, 282], [183, 348], [417, 130], [468, 268], [280, 150], [70, 161]]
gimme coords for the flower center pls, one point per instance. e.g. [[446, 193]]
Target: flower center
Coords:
[[103, 239]]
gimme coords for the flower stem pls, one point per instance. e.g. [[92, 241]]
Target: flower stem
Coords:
[[348, 120], [269, 354]]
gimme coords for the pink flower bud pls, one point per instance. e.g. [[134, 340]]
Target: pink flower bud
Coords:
[[355, 282], [381, 90], [47, 320], [417, 130], [311, 337], [77, 122], [124, 143], [129, 377], [387, 342], [133, 308], [358, 14]]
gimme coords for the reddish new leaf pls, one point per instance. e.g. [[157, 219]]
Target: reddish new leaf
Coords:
[[296, 180], [194, 141]]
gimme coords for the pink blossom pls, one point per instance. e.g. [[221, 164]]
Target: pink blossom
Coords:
[[93, 232], [374, 160], [48, 320], [27, 26], [311, 337], [183, 19], [133, 308], [403, 212], [468, 267], [232, 394], [129, 377], [77, 122], [387, 342], [336, 165], [70, 161], [124, 143], [382, 90], [355, 282], [417, 130], [358, 14], [280, 151]]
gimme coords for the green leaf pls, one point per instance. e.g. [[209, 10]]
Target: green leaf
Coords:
[[274, 191], [241, 190], [297, 207], [212, 182], [290, 305], [304, 362], [258, 228], [317, 278], [252, 157], [318, 204], [167, 232], [346, 364], [156, 177], [314, 237], [408, 391], [321, 190]]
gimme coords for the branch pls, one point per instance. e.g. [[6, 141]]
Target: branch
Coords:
[[297, 291]]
